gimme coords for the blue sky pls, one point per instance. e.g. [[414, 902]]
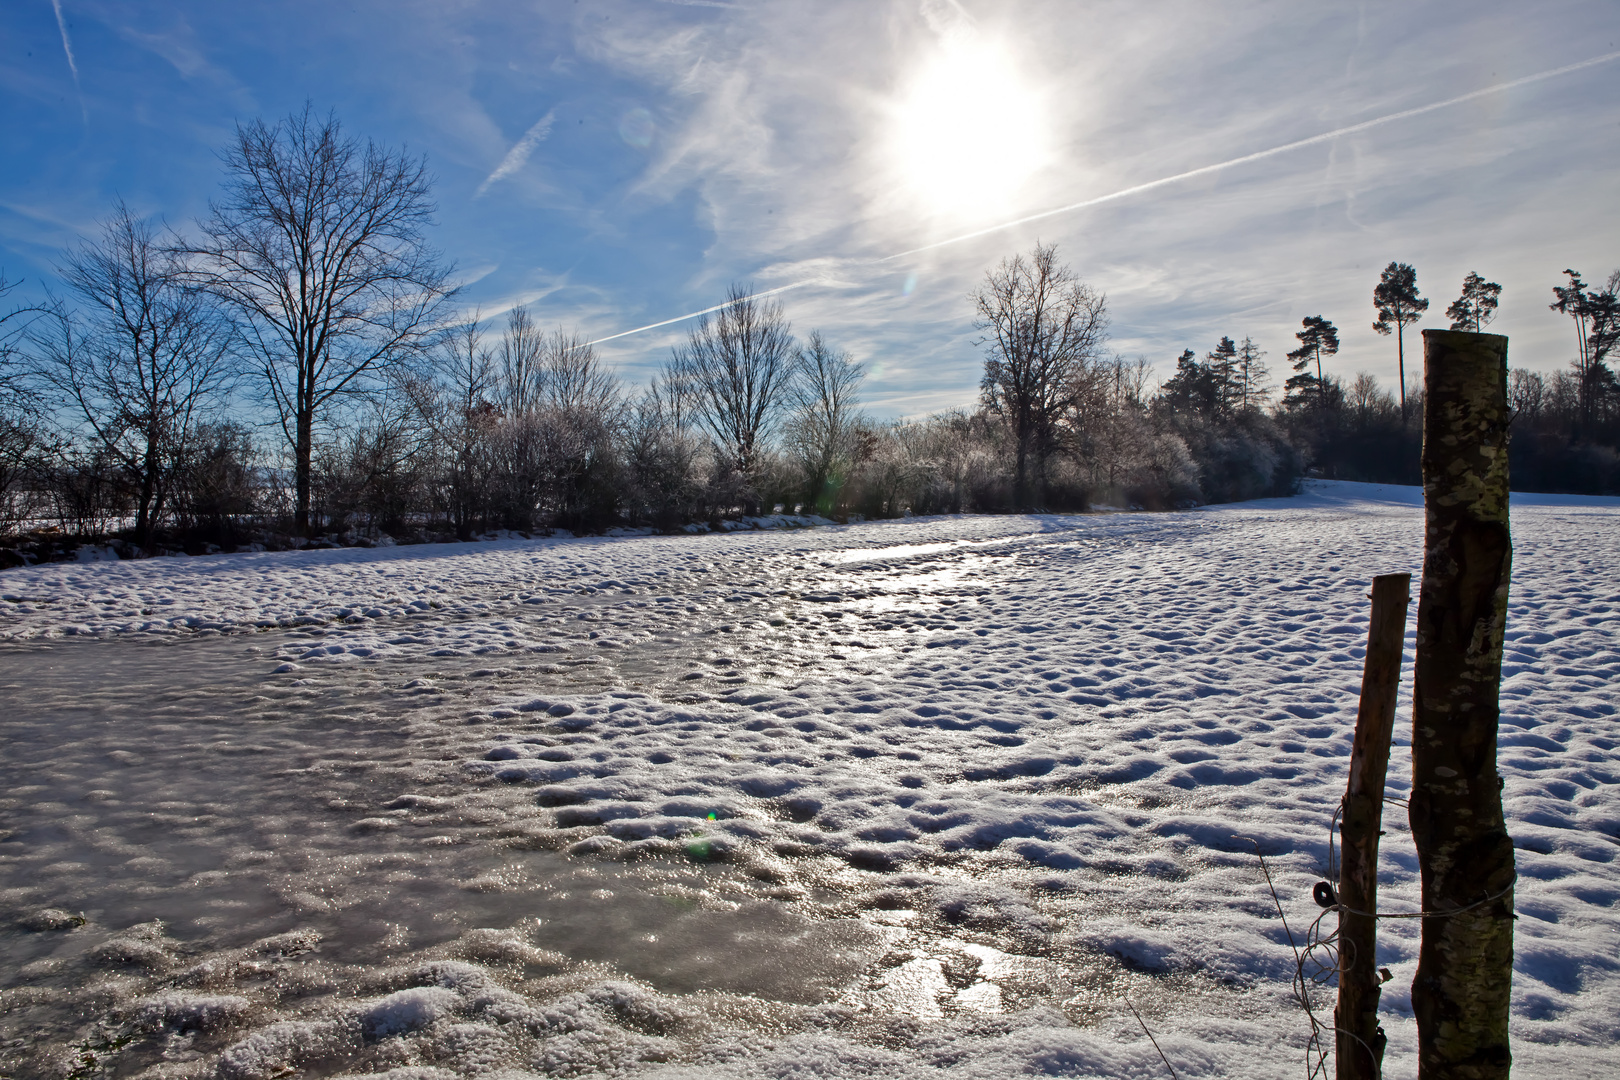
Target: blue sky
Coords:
[[617, 163]]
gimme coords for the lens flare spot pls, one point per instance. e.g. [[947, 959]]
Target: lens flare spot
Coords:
[[637, 128]]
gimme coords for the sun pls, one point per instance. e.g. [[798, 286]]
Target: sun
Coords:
[[968, 130]]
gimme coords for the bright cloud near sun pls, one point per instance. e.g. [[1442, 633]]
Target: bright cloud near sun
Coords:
[[967, 129]]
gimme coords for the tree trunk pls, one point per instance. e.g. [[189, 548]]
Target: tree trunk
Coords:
[[144, 511], [1465, 965], [1360, 1041], [1021, 502], [302, 452], [1400, 360]]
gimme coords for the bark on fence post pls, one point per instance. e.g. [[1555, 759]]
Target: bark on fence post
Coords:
[[1465, 857], [1359, 1045]]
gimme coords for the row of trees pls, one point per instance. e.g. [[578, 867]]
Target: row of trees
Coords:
[[1220, 405], [306, 285], [292, 364], [1590, 387]]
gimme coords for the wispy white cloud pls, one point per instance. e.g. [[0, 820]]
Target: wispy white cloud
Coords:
[[950, 8], [540, 287], [518, 156], [946, 17], [1233, 182], [179, 47], [1196, 200], [473, 274]]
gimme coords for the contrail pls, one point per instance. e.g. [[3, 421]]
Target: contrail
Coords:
[[73, 66], [1261, 154], [519, 154], [1204, 170], [705, 311], [67, 43]]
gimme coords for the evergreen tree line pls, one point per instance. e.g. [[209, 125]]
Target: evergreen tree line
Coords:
[[292, 370], [1565, 425]]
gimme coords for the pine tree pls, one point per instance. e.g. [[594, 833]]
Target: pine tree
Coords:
[[1398, 304], [1317, 338], [1597, 328], [1251, 375], [1477, 304], [1221, 365], [1187, 391]]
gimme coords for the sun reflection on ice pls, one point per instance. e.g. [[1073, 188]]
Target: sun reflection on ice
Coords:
[[939, 976]]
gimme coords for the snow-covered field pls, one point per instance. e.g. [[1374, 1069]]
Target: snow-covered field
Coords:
[[922, 798]]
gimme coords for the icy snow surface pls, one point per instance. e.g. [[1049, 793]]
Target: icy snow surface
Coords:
[[923, 798]]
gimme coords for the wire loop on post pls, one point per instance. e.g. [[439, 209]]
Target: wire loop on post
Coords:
[[1321, 955]]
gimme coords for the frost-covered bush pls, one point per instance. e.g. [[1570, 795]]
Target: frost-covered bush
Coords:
[[1248, 456]]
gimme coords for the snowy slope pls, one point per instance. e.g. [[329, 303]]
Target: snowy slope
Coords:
[[1043, 746]]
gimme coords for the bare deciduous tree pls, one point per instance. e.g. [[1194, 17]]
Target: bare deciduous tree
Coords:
[[146, 358], [825, 417], [1112, 422], [318, 246], [662, 457], [370, 477], [1527, 394], [521, 352], [459, 406], [582, 418], [575, 380], [670, 395], [217, 484], [736, 367], [13, 328], [555, 370], [1043, 328], [22, 433], [534, 432]]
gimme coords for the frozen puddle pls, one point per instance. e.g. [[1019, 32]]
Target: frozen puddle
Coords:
[[211, 867]]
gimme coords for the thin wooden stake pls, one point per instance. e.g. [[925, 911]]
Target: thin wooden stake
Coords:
[[1360, 1039], [1151, 1039]]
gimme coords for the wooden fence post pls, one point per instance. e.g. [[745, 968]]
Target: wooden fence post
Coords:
[[1465, 856], [1359, 1043]]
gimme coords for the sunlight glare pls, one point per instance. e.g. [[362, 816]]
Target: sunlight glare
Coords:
[[968, 130]]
